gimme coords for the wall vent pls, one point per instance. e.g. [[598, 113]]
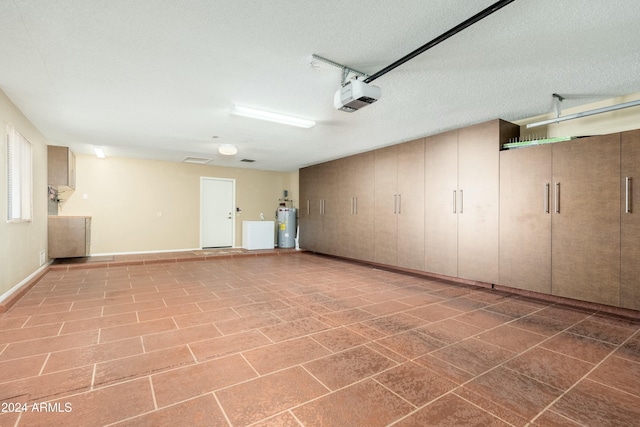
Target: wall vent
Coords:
[[247, 160]]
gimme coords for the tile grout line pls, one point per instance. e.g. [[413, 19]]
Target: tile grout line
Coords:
[[93, 376], [295, 418], [501, 364], [44, 364], [250, 365], [413, 405], [224, 413], [575, 384], [153, 394]]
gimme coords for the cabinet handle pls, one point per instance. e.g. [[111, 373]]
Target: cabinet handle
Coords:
[[399, 203], [395, 203], [557, 197], [454, 201], [323, 206], [546, 198], [461, 201], [355, 205], [308, 207], [627, 204]]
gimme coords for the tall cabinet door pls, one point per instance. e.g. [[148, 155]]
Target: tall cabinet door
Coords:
[[630, 221], [309, 211], [525, 218], [441, 219], [386, 205], [478, 201], [345, 206], [410, 201], [329, 208], [586, 219], [355, 191], [362, 233], [319, 208]]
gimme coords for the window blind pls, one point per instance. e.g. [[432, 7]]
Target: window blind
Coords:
[[19, 177]]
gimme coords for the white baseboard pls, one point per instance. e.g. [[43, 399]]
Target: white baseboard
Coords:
[[5, 296], [147, 252]]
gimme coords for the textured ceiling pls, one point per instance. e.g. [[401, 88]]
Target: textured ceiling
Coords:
[[157, 78]]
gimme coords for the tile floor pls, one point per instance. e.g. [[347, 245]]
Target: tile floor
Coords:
[[305, 340]]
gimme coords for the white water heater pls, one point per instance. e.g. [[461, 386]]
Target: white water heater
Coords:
[[287, 226]]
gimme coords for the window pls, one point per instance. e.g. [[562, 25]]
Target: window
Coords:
[[19, 178]]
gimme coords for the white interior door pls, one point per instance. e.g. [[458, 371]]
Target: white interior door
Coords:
[[217, 218]]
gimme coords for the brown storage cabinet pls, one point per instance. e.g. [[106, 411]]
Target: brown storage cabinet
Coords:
[[630, 220], [563, 226], [556, 219], [399, 205], [525, 218], [462, 185], [61, 164], [585, 228], [69, 236], [356, 207]]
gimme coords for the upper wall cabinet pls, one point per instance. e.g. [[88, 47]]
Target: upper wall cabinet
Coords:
[[61, 164]]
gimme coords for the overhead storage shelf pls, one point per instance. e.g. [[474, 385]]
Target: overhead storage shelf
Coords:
[[520, 144]]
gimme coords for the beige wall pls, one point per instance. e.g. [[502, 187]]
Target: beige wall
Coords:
[[599, 124], [124, 195], [21, 243]]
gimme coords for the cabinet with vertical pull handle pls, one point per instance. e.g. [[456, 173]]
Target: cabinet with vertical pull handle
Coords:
[[630, 220], [399, 205], [355, 206], [461, 200], [560, 219], [318, 211], [585, 224], [526, 203]]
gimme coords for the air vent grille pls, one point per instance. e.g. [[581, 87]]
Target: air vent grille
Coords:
[[196, 160], [247, 160]]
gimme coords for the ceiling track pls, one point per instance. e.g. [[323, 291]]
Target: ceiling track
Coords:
[[585, 113], [442, 37]]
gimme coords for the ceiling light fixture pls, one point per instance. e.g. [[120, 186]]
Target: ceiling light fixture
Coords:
[[99, 152], [228, 149], [272, 117]]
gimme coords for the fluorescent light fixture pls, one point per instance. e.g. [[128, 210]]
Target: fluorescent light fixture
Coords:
[[228, 149], [272, 117], [99, 152]]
